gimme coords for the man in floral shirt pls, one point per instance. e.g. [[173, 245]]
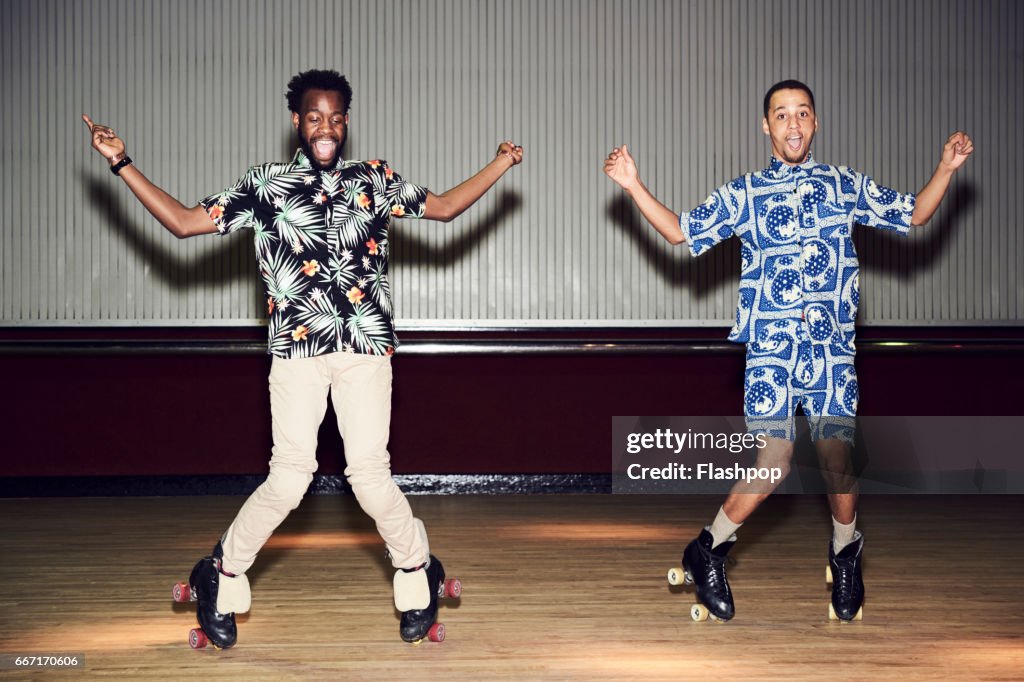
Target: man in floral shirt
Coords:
[[798, 298], [321, 233]]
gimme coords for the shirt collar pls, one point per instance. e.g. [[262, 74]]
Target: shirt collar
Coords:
[[778, 169], [302, 161]]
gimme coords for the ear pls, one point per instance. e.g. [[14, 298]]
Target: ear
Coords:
[[346, 120], [765, 128], [815, 123], [295, 121]]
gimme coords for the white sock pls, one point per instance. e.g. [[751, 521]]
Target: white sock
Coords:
[[233, 594], [722, 528], [842, 534]]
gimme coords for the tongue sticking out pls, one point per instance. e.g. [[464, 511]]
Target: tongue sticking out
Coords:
[[324, 149]]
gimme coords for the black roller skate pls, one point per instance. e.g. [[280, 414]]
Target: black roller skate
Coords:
[[844, 574], [214, 627], [706, 567], [419, 624]]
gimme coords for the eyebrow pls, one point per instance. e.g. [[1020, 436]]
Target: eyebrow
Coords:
[[798, 106]]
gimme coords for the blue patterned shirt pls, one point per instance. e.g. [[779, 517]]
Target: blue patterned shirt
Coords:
[[795, 225]]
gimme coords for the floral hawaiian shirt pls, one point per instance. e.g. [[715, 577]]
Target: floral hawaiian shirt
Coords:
[[321, 241], [795, 225]]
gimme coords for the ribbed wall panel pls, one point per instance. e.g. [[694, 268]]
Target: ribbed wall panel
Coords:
[[196, 89]]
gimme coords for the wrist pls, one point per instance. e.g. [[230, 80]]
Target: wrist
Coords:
[[124, 161], [505, 156], [117, 158], [634, 188]]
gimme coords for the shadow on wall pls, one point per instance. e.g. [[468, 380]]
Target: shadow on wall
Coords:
[[409, 248], [702, 277], [903, 258], [171, 265]]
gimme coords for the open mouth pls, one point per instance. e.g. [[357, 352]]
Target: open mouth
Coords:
[[324, 148], [794, 143]]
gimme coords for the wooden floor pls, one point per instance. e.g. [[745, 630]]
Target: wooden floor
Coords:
[[555, 587]]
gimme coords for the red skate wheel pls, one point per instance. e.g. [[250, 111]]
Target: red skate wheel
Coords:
[[181, 592], [453, 588], [436, 632], [197, 638]]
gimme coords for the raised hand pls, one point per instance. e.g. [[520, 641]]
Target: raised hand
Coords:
[[620, 167], [512, 151], [104, 140], [956, 150]]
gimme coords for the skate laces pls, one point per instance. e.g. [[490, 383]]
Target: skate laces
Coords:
[[716, 569], [844, 579]]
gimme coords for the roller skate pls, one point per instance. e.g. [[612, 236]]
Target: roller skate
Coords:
[[706, 567], [844, 574], [204, 587], [417, 592]]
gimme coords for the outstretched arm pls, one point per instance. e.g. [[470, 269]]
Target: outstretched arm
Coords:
[[620, 167], [956, 150], [449, 205], [172, 214]]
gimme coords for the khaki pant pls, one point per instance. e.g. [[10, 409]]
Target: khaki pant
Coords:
[[360, 388]]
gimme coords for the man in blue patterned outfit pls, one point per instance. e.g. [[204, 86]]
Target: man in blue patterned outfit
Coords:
[[798, 300], [321, 227]]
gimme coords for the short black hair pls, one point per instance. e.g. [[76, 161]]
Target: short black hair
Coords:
[[316, 79], [786, 85]]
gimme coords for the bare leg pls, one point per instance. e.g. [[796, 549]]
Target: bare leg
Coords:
[[836, 460], [746, 496]]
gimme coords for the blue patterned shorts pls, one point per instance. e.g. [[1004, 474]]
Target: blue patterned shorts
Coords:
[[785, 370]]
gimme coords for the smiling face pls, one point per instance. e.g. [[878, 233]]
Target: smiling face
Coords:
[[322, 126], [791, 124]]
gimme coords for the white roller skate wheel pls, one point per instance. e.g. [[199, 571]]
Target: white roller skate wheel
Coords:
[[860, 614], [699, 612], [676, 576], [832, 612], [828, 575]]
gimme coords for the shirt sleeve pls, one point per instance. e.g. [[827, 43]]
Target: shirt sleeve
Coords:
[[716, 219], [400, 198], [881, 207], [234, 208]]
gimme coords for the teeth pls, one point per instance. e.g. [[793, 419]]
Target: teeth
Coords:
[[324, 146]]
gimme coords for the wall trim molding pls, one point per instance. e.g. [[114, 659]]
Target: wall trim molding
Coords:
[[491, 346], [323, 484]]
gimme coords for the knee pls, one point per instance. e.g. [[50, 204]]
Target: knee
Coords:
[[375, 491], [287, 487]]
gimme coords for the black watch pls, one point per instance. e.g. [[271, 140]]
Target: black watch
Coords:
[[116, 168]]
